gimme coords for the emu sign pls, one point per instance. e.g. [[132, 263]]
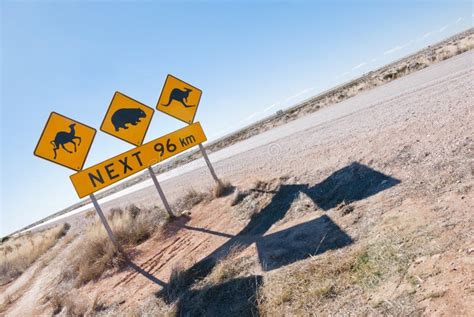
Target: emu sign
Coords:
[[179, 99], [65, 141], [121, 166], [127, 119]]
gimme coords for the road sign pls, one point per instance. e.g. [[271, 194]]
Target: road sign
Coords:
[[128, 163], [65, 141], [127, 119], [179, 99]]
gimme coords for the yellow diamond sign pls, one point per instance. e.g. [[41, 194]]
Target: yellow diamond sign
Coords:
[[127, 119], [65, 141], [179, 99]]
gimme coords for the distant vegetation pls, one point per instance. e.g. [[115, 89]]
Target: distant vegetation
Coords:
[[18, 253]]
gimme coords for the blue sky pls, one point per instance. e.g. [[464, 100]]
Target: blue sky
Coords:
[[249, 58]]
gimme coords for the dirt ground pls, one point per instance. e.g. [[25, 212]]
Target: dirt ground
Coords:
[[388, 187]]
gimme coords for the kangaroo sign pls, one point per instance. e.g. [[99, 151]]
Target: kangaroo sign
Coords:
[[128, 163], [65, 141], [127, 119], [179, 99]]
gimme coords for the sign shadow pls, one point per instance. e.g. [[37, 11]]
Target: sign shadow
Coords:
[[351, 183], [235, 297], [299, 242]]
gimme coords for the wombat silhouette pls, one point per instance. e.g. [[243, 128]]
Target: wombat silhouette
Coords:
[[123, 116], [179, 96], [64, 137]]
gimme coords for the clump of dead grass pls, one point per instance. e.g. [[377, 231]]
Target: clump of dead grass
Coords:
[[96, 253], [190, 199], [248, 202], [193, 197], [21, 252], [70, 304]]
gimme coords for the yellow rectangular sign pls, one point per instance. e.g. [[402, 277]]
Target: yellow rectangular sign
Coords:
[[65, 141], [179, 99], [128, 163], [127, 119]]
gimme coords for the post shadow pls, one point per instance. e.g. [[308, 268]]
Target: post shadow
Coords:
[[217, 233], [146, 274], [179, 223], [351, 183]]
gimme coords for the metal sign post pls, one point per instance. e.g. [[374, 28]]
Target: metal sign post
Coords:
[[209, 165], [160, 192], [181, 100], [106, 224]]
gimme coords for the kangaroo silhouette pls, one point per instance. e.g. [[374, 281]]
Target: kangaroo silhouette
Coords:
[[64, 137], [179, 96], [124, 116]]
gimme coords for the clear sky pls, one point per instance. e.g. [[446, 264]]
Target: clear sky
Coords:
[[250, 58]]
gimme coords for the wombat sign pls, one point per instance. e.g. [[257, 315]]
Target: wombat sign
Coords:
[[127, 119], [125, 116]]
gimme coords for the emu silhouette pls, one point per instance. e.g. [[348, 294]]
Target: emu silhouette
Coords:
[[180, 96], [64, 137]]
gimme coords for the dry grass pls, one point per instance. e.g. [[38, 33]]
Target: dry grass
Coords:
[[231, 266], [226, 290], [189, 200], [96, 253], [248, 202], [327, 285], [21, 252], [72, 305]]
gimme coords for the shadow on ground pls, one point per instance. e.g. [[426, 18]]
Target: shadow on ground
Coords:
[[351, 183], [236, 297], [299, 242]]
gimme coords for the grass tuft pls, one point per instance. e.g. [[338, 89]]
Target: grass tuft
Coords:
[[97, 253], [190, 199]]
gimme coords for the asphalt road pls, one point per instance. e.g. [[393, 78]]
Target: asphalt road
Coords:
[[329, 138]]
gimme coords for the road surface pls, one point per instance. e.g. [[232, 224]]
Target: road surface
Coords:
[[303, 146]]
